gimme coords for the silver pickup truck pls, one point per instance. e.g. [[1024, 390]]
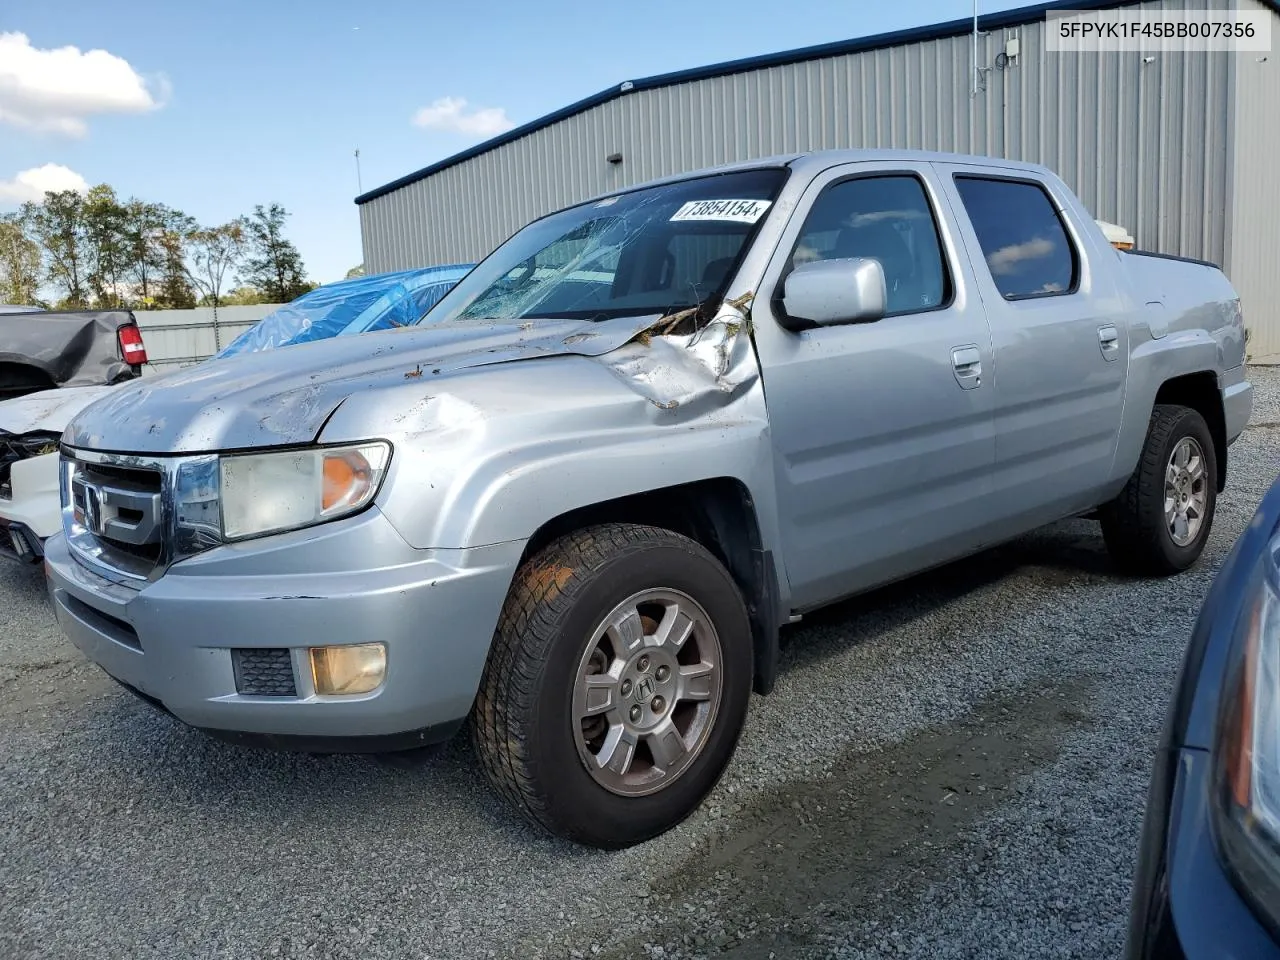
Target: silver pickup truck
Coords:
[[642, 435]]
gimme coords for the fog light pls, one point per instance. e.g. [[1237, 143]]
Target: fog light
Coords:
[[348, 669]]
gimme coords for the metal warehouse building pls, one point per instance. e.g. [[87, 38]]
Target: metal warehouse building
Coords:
[[1183, 149]]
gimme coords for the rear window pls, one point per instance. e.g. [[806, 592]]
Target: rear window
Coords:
[[1022, 237]]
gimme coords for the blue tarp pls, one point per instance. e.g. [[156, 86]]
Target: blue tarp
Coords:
[[351, 306]]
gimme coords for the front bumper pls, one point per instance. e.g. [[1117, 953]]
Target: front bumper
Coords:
[[354, 581], [1189, 907], [34, 510], [19, 542]]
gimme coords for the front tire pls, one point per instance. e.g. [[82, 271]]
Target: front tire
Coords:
[[1160, 522], [617, 685]]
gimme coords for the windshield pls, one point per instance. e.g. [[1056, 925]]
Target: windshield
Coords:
[[348, 307], [652, 251]]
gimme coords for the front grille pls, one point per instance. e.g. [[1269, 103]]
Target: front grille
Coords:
[[145, 479], [128, 517], [264, 672], [118, 510], [148, 553]]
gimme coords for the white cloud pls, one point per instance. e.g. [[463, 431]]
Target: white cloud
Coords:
[[56, 90], [1009, 259], [32, 184], [450, 113]]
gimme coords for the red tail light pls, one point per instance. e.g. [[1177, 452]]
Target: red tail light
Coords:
[[131, 345]]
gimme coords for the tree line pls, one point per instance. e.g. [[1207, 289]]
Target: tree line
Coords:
[[92, 250]]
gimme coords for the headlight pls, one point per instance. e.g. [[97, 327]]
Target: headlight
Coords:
[[1249, 747], [284, 490]]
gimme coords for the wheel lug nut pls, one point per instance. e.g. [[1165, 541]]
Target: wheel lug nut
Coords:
[[643, 664], [635, 713], [658, 704], [626, 688], [662, 673]]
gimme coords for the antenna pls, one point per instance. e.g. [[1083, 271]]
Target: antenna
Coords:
[[360, 185], [977, 72]]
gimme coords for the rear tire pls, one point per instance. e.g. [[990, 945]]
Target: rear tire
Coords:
[[1160, 522], [617, 685]]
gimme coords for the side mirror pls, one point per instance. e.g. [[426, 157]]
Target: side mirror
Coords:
[[830, 292]]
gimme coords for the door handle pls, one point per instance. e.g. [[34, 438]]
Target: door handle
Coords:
[[967, 362], [1109, 341]]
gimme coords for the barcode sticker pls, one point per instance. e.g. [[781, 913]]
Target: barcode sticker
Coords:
[[738, 211]]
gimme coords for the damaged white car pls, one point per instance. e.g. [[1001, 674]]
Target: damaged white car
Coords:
[[52, 365], [29, 430]]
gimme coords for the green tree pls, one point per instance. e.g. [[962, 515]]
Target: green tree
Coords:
[[20, 262], [108, 248], [212, 252], [244, 296], [142, 226], [59, 226], [176, 291], [356, 271], [272, 263]]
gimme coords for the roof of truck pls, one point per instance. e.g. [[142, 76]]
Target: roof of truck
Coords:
[[826, 158], [937, 31]]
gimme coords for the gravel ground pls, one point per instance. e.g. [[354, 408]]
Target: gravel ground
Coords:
[[953, 767]]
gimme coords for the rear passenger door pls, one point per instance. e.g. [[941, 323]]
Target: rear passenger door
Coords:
[[1059, 341]]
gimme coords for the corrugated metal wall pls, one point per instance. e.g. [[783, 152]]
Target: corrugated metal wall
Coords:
[[1253, 260], [175, 338], [1145, 145]]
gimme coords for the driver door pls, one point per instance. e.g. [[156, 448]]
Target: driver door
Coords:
[[883, 432]]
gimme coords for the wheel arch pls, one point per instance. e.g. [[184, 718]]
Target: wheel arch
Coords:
[[720, 514], [1200, 392]]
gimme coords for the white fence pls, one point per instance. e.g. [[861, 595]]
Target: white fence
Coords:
[[176, 338]]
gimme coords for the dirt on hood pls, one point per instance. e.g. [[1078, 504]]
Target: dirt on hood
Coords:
[[286, 397]]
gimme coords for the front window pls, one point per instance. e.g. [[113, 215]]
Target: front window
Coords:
[[653, 251], [884, 218]]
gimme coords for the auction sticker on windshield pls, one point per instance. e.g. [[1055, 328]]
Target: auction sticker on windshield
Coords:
[[739, 211]]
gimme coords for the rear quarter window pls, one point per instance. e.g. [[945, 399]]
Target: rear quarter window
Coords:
[[1023, 240]]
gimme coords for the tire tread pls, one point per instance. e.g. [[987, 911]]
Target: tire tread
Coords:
[[545, 589], [1132, 532]]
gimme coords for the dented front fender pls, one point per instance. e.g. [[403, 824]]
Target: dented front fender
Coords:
[[493, 453]]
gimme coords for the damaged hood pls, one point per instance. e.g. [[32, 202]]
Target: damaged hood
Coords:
[[49, 410], [285, 397]]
